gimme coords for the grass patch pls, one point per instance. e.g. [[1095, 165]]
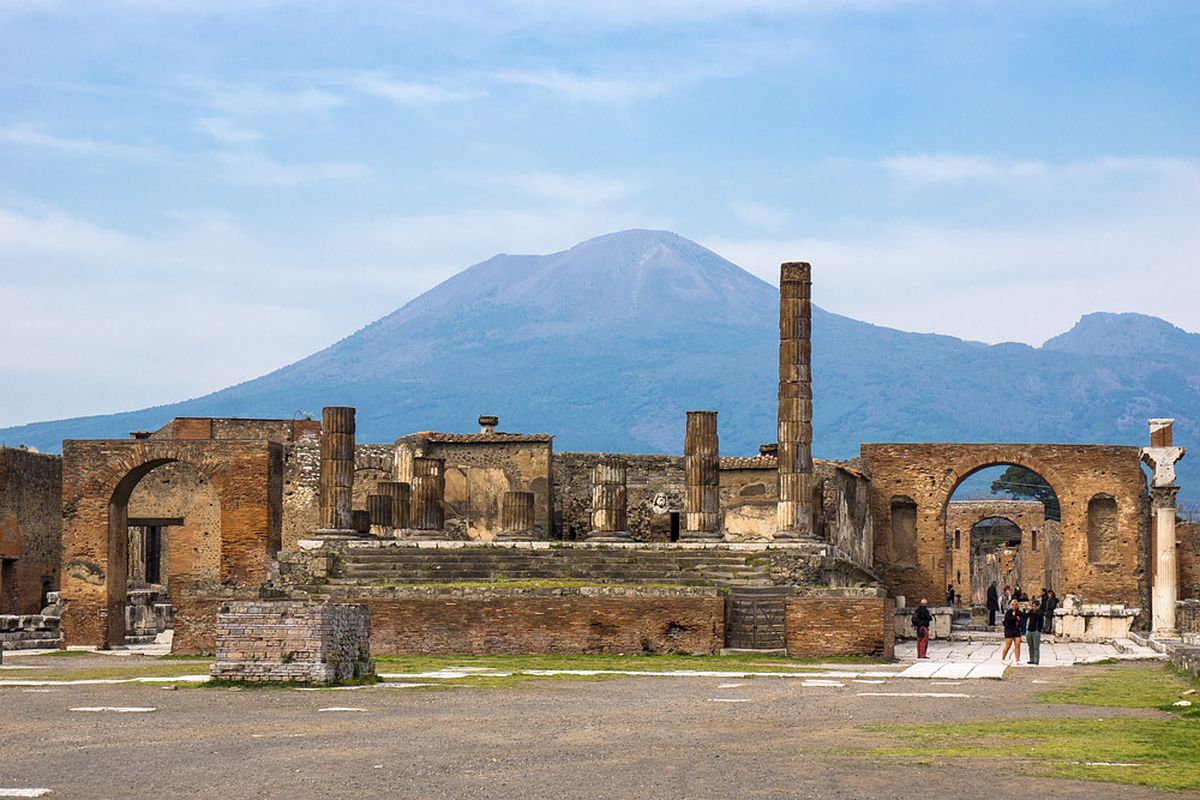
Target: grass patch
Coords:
[[150, 668], [1132, 687], [231, 683], [633, 663], [56, 654]]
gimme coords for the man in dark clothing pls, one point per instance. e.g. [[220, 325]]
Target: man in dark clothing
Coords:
[[950, 595], [1034, 621], [993, 604], [1048, 609], [921, 620]]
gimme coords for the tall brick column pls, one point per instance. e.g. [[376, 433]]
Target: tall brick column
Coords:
[[516, 517], [794, 517], [337, 467], [428, 495], [401, 498], [1161, 456], [379, 507], [608, 502], [702, 478]]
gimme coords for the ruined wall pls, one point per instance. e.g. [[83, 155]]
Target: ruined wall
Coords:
[[820, 627], [1028, 515], [191, 553], [302, 478], [587, 620], [655, 485], [1187, 534], [273, 430], [30, 528], [927, 474]]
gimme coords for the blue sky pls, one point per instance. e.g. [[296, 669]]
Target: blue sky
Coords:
[[194, 193]]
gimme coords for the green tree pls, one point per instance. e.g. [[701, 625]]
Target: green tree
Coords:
[[1019, 482]]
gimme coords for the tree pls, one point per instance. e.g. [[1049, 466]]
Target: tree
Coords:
[[1025, 483]]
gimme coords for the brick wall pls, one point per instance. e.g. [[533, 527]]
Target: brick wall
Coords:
[[816, 627], [599, 620], [1187, 534], [30, 528]]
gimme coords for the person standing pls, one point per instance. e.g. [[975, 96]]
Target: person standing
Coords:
[[1006, 598], [1034, 622], [921, 620], [993, 604], [1012, 632], [950, 595], [1048, 610]]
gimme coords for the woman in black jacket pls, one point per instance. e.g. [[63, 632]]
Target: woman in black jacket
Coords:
[[1012, 631]]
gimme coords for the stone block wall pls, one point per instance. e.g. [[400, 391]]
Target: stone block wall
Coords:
[[292, 641], [655, 491], [30, 528], [818, 627], [488, 621], [1187, 615], [1187, 534]]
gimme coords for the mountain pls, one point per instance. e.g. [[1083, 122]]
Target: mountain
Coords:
[[607, 344]]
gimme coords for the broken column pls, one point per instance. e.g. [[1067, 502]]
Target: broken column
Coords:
[[794, 517], [428, 490], [702, 478], [400, 495], [1161, 456], [516, 517], [337, 468], [608, 502], [379, 508]]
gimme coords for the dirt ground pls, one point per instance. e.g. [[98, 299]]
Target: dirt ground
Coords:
[[653, 738]]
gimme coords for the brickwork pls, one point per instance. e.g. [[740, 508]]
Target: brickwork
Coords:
[[1028, 515], [584, 620], [1187, 534], [1187, 616], [928, 474], [101, 474], [191, 552], [818, 627], [262, 641], [30, 528]]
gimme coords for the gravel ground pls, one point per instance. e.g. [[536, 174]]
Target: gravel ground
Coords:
[[648, 738]]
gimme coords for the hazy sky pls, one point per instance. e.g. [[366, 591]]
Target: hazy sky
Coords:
[[194, 193]]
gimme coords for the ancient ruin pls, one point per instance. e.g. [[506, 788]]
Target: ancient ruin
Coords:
[[494, 542]]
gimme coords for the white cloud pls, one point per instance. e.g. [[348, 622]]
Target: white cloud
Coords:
[[955, 168], [586, 88], [227, 131], [261, 170], [404, 93], [31, 137]]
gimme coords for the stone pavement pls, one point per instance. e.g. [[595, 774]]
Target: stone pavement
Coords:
[[1054, 654]]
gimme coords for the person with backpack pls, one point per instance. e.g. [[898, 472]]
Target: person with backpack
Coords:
[[921, 620]]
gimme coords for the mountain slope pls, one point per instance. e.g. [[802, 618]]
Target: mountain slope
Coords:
[[606, 345]]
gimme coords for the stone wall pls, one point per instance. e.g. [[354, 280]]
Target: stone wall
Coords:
[[655, 487], [1028, 515], [926, 476], [491, 621], [1187, 534], [30, 529], [191, 552], [301, 484], [819, 627], [1187, 615], [263, 641]]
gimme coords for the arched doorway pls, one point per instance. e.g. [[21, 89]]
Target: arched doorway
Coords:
[[1002, 528]]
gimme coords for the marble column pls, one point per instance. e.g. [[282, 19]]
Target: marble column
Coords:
[[1161, 456], [516, 517], [702, 478], [794, 515], [609, 502], [337, 468]]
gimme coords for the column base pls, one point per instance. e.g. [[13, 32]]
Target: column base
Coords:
[[338, 534], [615, 537], [516, 536], [701, 536]]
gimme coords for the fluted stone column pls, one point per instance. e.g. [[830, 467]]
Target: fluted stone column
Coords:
[[516, 517], [1161, 456], [702, 478], [428, 489], [400, 495], [609, 502], [794, 517], [337, 468], [360, 520], [379, 507]]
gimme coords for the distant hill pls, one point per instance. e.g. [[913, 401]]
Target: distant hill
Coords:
[[606, 345]]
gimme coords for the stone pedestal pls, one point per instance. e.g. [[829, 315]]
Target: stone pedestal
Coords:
[[379, 509], [401, 497], [428, 498], [794, 515], [337, 470], [516, 517], [702, 478], [609, 502]]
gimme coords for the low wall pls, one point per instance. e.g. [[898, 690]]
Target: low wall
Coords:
[[1186, 657], [1093, 623], [29, 632], [816, 627], [939, 629], [1187, 616], [483, 621]]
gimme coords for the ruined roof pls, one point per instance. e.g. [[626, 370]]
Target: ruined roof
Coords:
[[496, 437]]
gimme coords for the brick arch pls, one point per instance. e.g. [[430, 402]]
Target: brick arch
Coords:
[[929, 473], [98, 479]]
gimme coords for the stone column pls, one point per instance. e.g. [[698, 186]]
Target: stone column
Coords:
[[428, 489], [360, 520], [1161, 456], [794, 517], [702, 478], [337, 468], [609, 502], [516, 517], [400, 495], [379, 507]]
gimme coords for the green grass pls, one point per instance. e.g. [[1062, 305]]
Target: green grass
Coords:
[[633, 662], [229, 683], [57, 653], [1163, 753], [114, 667]]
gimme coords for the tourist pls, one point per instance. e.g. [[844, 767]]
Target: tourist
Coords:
[[921, 620], [993, 605], [1034, 622], [1048, 610], [1006, 598], [950, 595], [1012, 632]]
